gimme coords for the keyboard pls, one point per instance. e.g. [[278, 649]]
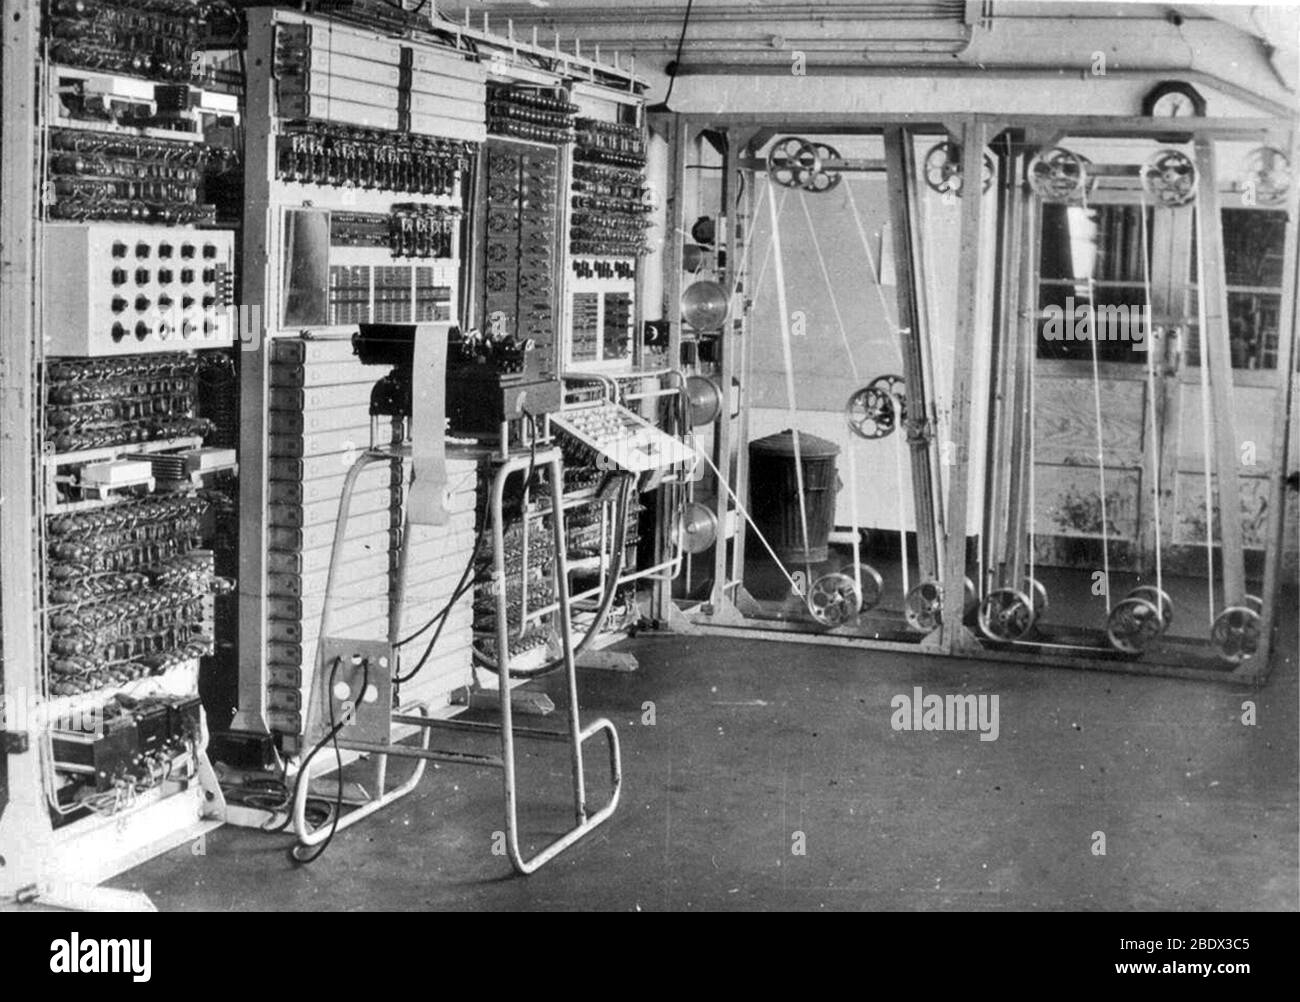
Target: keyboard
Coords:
[[621, 438]]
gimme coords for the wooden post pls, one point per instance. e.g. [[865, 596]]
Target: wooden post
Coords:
[[24, 821], [258, 286], [674, 227], [727, 339], [1215, 354], [913, 335], [955, 450], [1288, 322]]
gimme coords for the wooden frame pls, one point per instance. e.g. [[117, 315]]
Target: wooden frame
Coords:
[[974, 131]]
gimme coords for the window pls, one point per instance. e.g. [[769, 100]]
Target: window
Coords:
[[1253, 242], [1103, 239]]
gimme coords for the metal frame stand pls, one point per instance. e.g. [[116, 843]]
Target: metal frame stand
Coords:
[[576, 735]]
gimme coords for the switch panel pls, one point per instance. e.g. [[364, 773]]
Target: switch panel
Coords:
[[124, 289]]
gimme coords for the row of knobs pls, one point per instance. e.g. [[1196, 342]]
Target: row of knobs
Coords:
[[143, 250], [165, 276]]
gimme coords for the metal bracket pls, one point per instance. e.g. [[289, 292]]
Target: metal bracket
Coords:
[[15, 742], [919, 431]]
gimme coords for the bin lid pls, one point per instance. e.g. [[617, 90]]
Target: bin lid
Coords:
[[782, 444]]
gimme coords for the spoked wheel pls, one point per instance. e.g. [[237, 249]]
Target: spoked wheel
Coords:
[[1160, 599], [1035, 590], [834, 599], [792, 162], [873, 586], [1006, 614], [1133, 624], [1235, 634], [923, 607]]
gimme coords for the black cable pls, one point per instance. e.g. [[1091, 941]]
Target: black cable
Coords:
[[672, 77], [441, 619], [469, 567], [332, 736]]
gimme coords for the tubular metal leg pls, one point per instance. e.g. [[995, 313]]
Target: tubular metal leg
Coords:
[[578, 735]]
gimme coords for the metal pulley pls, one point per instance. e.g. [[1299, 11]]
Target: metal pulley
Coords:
[[1266, 176], [1035, 590], [1006, 614], [705, 305], [1235, 634], [878, 408], [1160, 599], [1133, 624], [942, 169], [1058, 175], [792, 161], [704, 400], [872, 585], [834, 599], [1169, 177], [697, 529], [923, 606]]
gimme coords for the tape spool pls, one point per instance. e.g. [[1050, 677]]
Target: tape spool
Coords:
[[1057, 175], [1266, 176], [1235, 634], [1006, 614], [705, 305], [704, 398], [923, 606], [697, 529], [792, 161], [1133, 624], [834, 599], [1169, 177]]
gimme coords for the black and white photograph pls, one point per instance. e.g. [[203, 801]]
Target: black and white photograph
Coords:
[[675, 456]]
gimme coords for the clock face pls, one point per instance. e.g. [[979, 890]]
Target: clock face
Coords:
[[1173, 105], [1174, 99]]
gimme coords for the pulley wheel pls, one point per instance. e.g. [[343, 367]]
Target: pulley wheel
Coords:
[[834, 599], [792, 161], [697, 528], [1133, 624], [1057, 175], [704, 397], [705, 305], [1160, 599], [823, 179], [972, 598], [1035, 590], [923, 607], [1256, 603], [1169, 177], [1267, 175], [873, 586], [871, 413], [1006, 614], [942, 169], [1235, 634]]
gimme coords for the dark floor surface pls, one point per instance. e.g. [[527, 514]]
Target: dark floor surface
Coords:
[[755, 742]]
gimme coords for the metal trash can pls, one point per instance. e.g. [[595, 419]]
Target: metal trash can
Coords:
[[774, 494]]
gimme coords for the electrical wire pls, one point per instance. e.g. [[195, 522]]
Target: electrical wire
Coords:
[[681, 39], [332, 736], [602, 611]]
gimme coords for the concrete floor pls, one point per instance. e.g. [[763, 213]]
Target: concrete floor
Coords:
[[753, 742]]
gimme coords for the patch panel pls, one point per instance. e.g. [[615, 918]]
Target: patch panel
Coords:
[[137, 289]]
